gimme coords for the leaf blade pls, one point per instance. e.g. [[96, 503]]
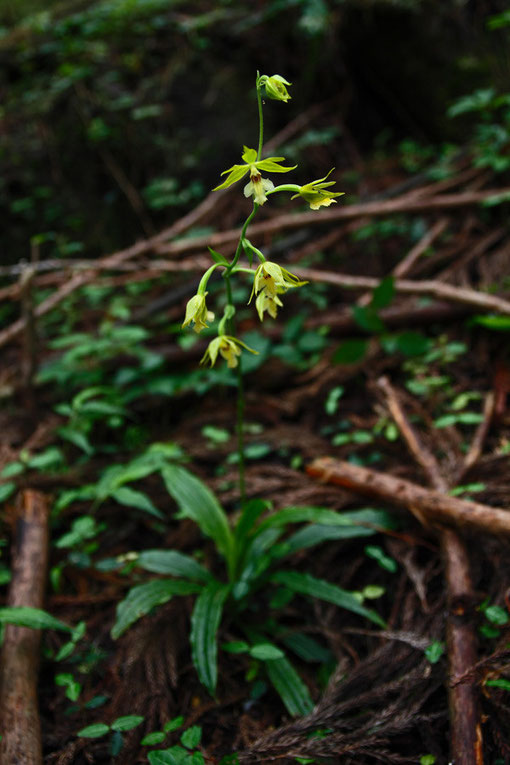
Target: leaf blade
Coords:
[[205, 621]]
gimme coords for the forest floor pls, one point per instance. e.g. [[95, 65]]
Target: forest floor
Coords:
[[399, 405]]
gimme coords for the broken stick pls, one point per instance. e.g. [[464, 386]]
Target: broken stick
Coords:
[[19, 714]]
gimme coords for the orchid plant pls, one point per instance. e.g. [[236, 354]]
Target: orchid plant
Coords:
[[252, 546], [270, 280]]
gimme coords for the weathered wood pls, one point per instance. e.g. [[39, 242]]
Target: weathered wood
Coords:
[[19, 714]]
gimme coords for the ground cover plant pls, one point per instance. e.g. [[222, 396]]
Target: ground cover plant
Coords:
[[296, 551]]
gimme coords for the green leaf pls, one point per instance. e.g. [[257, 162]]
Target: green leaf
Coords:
[[266, 652], [499, 323], [236, 646], [127, 496], [252, 510], [378, 554], [306, 647], [157, 737], [218, 257], [291, 689], [128, 722], [6, 490], [334, 395], [309, 585], [259, 555], [173, 724], [144, 597], [350, 352], [496, 615], [94, 731], [205, 621], [366, 317], [191, 737], [434, 651], [312, 535], [196, 501], [383, 293], [34, 618], [412, 343], [174, 563], [499, 682], [378, 519], [175, 755]]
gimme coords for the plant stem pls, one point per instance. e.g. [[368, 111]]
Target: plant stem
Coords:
[[243, 232], [261, 121], [228, 271], [240, 400], [240, 433]]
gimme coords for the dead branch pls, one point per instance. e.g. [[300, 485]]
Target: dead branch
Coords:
[[479, 300], [406, 204], [21, 730], [465, 728], [435, 507]]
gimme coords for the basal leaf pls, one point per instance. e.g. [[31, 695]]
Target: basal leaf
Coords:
[[34, 618], [174, 563], [127, 496], [144, 597], [309, 585], [205, 621], [289, 686], [196, 501]]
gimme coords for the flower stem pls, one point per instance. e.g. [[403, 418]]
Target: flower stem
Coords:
[[240, 400], [261, 120], [243, 232]]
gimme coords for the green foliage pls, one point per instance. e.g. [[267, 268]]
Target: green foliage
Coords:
[[252, 551], [34, 618]]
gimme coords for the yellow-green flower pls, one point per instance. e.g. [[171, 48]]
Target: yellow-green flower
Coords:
[[274, 279], [269, 303], [316, 196], [196, 312], [228, 347], [275, 87], [253, 166]]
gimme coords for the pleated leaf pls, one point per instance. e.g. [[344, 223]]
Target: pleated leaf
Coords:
[[196, 501], [34, 618], [205, 621], [174, 563], [289, 686], [141, 599], [305, 584]]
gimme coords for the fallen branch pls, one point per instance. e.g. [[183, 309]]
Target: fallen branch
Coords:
[[19, 715], [465, 728], [479, 300], [434, 506]]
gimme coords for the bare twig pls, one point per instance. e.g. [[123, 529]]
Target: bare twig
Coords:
[[21, 730]]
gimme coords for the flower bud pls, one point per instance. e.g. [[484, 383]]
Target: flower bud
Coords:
[[275, 88]]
